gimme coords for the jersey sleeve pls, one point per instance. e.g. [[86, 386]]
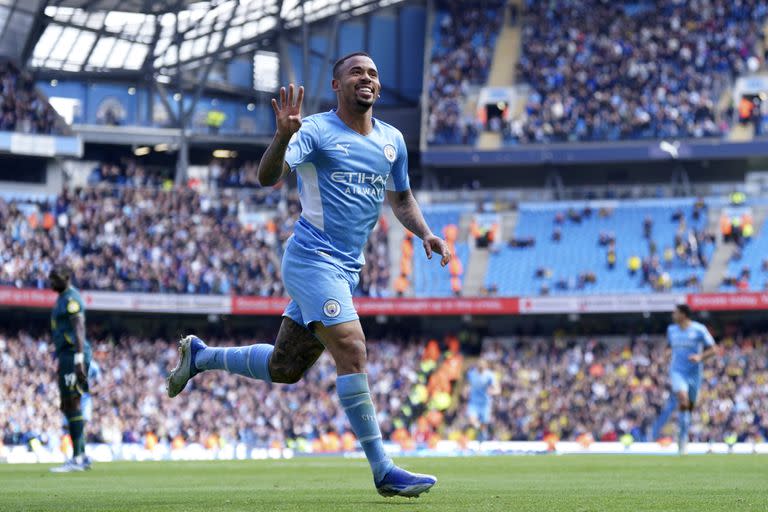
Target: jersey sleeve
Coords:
[[398, 178], [669, 334], [302, 145], [74, 306], [706, 337]]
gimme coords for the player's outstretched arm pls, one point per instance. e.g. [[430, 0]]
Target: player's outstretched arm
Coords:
[[272, 166], [407, 211]]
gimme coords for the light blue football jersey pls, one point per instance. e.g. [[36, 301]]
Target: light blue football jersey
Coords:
[[479, 386], [342, 178], [685, 342]]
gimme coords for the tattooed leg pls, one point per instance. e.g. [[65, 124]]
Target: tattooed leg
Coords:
[[296, 350]]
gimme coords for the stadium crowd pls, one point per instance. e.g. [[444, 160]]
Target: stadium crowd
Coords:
[[611, 70], [159, 241], [549, 387], [129, 172], [22, 109], [606, 390], [462, 52]]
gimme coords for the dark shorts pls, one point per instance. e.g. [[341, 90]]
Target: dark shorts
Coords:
[[69, 384]]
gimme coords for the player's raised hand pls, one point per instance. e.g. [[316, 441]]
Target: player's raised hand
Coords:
[[288, 111], [436, 244]]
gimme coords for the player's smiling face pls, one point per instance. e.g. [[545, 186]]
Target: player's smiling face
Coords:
[[358, 83]]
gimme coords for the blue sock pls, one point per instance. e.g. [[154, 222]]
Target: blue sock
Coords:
[[685, 422], [251, 361], [663, 418], [355, 397]]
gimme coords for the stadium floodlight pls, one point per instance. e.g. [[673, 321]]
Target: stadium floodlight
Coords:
[[163, 79], [161, 147], [142, 150]]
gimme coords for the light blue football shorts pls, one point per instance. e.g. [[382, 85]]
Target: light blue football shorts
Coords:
[[321, 291], [480, 412], [686, 383]]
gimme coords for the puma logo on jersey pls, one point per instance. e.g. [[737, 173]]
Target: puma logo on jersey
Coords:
[[343, 147]]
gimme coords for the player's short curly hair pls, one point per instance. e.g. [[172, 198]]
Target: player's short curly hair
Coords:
[[61, 270], [685, 309], [337, 65]]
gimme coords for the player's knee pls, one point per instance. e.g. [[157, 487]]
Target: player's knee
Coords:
[[351, 355]]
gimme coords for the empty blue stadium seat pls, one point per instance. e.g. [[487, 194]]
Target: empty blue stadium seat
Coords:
[[513, 270]]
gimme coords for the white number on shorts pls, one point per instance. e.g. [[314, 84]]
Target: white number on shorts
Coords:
[[70, 379]]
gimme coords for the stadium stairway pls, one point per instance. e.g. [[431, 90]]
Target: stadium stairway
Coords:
[[742, 132], [720, 258], [508, 224], [718, 266], [502, 74], [477, 268]]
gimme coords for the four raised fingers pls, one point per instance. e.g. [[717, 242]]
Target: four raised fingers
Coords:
[[287, 99]]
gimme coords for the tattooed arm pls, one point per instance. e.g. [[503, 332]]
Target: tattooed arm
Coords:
[[272, 167], [407, 211]]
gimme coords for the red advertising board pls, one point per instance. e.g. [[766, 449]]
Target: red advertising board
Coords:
[[26, 297], [728, 301], [266, 306], [399, 307]]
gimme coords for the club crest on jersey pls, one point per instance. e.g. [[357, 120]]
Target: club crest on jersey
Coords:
[[390, 153], [332, 308]]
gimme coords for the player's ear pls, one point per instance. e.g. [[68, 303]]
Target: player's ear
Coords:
[[335, 85]]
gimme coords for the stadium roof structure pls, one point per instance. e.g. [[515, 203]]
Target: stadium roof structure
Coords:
[[169, 36]]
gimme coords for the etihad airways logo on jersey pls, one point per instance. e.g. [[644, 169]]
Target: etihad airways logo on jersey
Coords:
[[360, 183]]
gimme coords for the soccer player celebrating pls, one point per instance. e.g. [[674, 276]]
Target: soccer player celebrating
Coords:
[[74, 355], [686, 339], [482, 386], [346, 162]]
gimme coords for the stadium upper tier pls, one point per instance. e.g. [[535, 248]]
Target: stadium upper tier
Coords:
[[583, 387], [23, 110], [602, 71], [463, 39], [608, 71], [624, 247]]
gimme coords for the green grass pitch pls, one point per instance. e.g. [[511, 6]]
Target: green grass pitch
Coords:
[[536, 483]]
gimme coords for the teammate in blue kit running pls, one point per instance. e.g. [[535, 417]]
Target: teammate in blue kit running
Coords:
[[686, 339], [482, 387], [346, 162]]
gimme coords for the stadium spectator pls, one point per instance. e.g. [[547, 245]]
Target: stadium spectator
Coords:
[[129, 172], [22, 108], [157, 241], [614, 70], [547, 387], [461, 57]]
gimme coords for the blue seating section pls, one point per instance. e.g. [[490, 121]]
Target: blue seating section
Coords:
[[513, 270], [429, 278], [753, 255]]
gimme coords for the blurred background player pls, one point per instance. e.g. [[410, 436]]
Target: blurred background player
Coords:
[[482, 385], [686, 339], [74, 357], [346, 162]]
